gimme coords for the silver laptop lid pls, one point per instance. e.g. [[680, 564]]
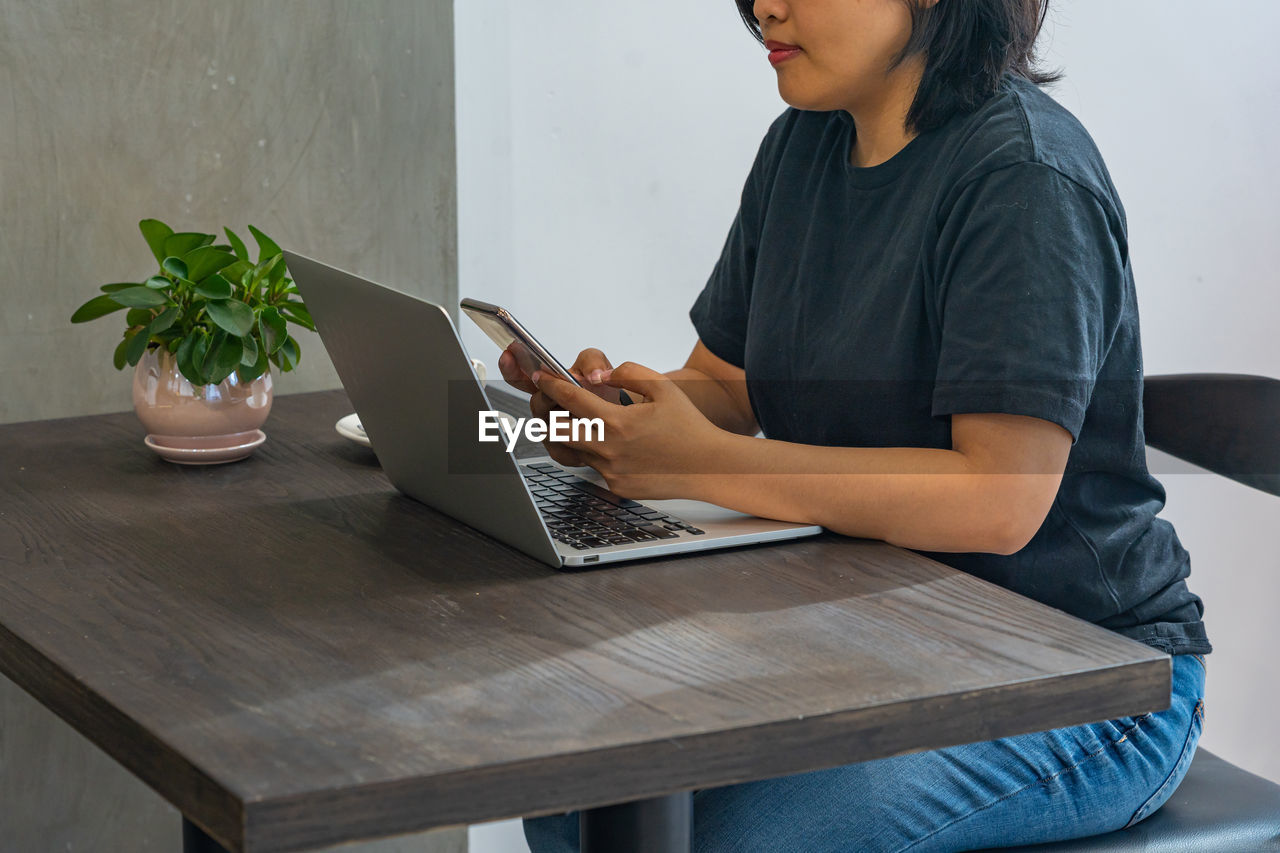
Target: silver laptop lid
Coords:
[[408, 375]]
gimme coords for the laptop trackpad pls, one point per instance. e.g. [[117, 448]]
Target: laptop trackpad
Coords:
[[707, 516], [700, 513]]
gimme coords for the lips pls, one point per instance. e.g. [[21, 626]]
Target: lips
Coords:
[[780, 51]]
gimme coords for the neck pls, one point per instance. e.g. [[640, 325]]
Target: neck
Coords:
[[880, 121]]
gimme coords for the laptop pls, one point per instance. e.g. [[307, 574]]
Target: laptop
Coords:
[[410, 378]]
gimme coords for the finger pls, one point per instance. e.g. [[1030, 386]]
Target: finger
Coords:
[[645, 380], [577, 401], [541, 405], [592, 366], [605, 392], [569, 457], [600, 389], [512, 373]]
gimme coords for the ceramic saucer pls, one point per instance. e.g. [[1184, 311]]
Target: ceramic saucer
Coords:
[[206, 449]]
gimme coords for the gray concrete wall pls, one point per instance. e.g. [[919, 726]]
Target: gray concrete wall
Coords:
[[328, 124]]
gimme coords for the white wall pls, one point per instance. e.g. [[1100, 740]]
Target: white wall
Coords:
[[599, 170], [1184, 102]]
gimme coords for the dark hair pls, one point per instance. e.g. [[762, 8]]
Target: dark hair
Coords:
[[968, 46]]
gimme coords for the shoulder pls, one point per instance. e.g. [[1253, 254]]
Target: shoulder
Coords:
[[1023, 125]]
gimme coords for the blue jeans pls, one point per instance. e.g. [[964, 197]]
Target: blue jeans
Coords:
[[1028, 789]]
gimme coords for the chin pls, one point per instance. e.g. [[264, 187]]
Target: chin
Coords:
[[792, 97], [799, 97], [802, 103]]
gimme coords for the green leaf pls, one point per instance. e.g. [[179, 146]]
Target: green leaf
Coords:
[[215, 287], [256, 369], [253, 371], [276, 278], [157, 282], [98, 306], [272, 329], [155, 233], [136, 345], [237, 245], [250, 354], [179, 245], [225, 359], [166, 318], [260, 272], [168, 338], [208, 359], [235, 271], [139, 297], [186, 349], [298, 313], [286, 358], [232, 315], [265, 265], [174, 266], [118, 357], [202, 354], [112, 288], [205, 261], [275, 269], [138, 317], [266, 246]]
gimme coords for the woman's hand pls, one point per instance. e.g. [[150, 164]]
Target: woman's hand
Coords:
[[591, 369], [649, 449], [511, 372]]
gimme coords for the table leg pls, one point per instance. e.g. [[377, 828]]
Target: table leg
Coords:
[[196, 840], [658, 825]]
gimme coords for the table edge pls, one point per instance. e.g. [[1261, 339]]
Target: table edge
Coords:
[[197, 794], [305, 821]]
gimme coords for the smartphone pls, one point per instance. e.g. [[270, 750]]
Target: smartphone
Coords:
[[504, 329]]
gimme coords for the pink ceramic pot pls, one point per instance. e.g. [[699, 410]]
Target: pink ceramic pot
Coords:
[[170, 406]]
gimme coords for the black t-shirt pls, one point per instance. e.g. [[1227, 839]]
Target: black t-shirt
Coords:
[[983, 268]]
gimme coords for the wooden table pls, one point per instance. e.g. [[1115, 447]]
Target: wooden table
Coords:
[[294, 655]]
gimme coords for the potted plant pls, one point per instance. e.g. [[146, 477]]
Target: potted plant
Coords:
[[202, 334]]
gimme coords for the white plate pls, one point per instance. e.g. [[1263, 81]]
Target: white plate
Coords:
[[349, 427]]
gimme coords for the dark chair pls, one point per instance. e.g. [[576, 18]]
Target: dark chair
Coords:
[[1229, 424]]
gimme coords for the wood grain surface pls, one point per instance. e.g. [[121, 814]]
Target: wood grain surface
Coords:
[[295, 655]]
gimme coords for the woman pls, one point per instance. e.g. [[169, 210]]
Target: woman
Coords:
[[926, 304]]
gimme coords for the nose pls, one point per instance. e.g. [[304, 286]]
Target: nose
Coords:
[[766, 9]]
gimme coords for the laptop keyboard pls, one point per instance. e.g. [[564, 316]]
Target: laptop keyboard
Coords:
[[583, 515]]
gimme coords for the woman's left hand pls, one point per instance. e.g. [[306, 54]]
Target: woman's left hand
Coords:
[[649, 448]]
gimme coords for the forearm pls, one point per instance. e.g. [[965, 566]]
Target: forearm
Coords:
[[715, 401], [924, 498]]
